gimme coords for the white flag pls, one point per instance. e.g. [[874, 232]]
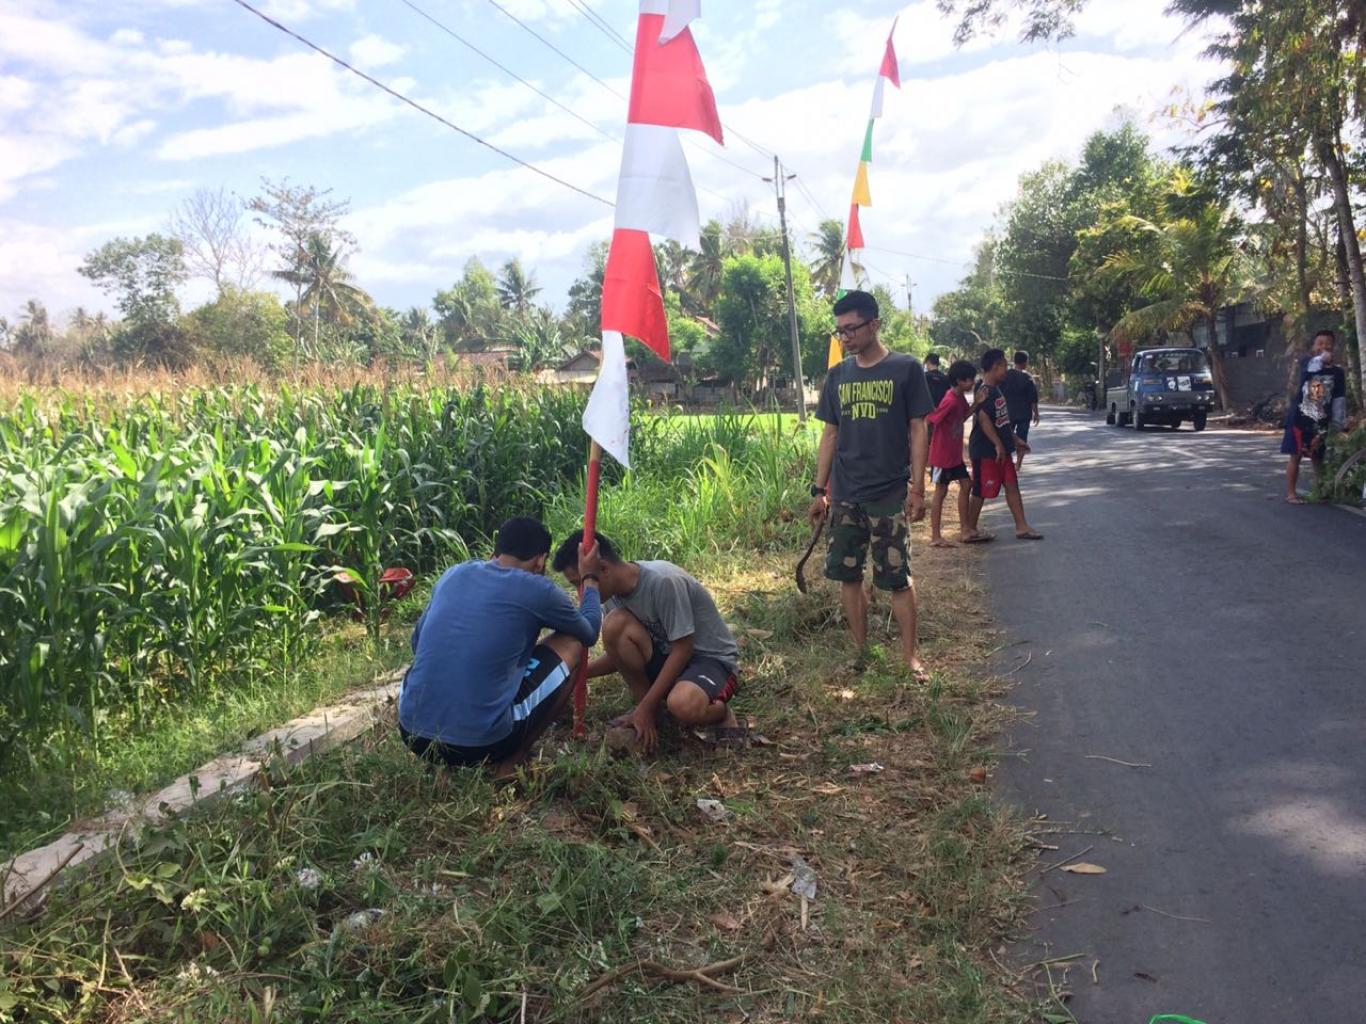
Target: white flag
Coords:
[[607, 419], [655, 192]]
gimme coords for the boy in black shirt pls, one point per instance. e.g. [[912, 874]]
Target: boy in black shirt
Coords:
[[990, 447], [1022, 401]]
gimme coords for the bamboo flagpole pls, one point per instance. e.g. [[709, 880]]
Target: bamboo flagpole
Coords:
[[590, 529], [655, 196]]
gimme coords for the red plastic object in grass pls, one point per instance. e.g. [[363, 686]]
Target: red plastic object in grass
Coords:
[[394, 584]]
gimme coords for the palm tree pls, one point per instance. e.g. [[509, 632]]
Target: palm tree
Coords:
[[671, 261], [324, 283], [419, 333], [1190, 262], [517, 288], [34, 333], [706, 267]]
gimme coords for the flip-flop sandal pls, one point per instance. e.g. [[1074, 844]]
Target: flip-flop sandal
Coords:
[[1296, 501], [981, 538], [1031, 535]]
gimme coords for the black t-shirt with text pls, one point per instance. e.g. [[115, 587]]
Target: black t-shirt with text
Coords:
[[873, 409], [938, 382], [995, 406], [1021, 394]]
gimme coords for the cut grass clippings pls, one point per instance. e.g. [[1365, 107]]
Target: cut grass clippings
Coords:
[[362, 886]]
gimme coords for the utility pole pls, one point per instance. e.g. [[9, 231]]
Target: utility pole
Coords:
[[780, 189], [910, 300]]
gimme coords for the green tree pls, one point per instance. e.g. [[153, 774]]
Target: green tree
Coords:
[[329, 293], [517, 289], [1189, 263], [706, 268], [751, 311], [583, 314], [299, 215], [827, 260], [33, 336], [469, 311], [242, 324], [143, 274], [539, 338], [1041, 20], [963, 321]]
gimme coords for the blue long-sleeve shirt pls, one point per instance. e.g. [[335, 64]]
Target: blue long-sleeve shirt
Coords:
[[472, 645]]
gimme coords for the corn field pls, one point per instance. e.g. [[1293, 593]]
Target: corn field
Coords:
[[153, 549]]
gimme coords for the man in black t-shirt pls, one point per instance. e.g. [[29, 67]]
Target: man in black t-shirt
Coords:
[[990, 448], [936, 379], [875, 443], [1022, 400]]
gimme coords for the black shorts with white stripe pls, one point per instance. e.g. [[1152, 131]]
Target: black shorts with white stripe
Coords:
[[545, 678]]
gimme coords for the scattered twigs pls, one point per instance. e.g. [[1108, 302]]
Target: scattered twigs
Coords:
[[1115, 760], [1028, 658], [1068, 860], [700, 976]]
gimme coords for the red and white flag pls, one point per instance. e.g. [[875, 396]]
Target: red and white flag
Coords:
[[655, 196]]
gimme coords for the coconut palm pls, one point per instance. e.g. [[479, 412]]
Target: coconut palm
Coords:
[[706, 267], [827, 266], [325, 285], [34, 334], [517, 288]]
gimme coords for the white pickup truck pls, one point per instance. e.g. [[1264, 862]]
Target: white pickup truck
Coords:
[[1166, 386]]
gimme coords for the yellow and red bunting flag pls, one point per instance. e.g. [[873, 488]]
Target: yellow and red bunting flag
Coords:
[[889, 71], [655, 196], [836, 355]]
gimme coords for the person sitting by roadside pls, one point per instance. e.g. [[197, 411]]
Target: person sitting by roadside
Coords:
[[665, 636], [946, 451], [485, 684]]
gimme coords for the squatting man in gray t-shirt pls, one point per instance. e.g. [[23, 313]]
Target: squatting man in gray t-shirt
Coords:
[[664, 635], [870, 470]]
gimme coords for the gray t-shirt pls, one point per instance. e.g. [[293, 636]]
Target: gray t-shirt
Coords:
[[672, 605], [873, 409]]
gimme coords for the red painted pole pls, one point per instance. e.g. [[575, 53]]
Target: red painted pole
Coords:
[[590, 528]]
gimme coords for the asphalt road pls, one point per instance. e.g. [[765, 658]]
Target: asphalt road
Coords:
[[1181, 615]]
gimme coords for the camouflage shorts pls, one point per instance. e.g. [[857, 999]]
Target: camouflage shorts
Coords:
[[852, 527]]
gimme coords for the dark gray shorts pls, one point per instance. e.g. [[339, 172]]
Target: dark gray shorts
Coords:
[[712, 677]]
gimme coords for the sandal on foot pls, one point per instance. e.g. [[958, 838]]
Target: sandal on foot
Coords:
[[980, 538], [1029, 535]]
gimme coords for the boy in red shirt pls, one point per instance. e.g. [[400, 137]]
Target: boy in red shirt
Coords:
[[946, 452]]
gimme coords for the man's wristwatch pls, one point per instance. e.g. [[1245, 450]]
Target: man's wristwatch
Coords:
[[819, 492], [590, 576]]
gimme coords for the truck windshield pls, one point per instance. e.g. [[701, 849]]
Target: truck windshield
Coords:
[[1173, 362]]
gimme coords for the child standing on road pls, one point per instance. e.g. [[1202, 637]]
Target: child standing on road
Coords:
[[946, 451], [1318, 406], [990, 447]]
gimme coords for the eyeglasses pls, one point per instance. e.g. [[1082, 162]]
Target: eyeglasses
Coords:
[[849, 330]]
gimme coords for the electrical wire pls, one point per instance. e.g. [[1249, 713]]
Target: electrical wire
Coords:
[[419, 107], [601, 23], [506, 70], [612, 89], [959, 263]]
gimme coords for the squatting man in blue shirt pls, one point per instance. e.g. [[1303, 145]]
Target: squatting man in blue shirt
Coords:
[[484, 684]]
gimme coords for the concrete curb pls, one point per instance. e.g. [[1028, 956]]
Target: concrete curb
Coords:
[[28, 874]]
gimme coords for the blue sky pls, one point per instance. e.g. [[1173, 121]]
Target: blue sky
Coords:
[[113, 111]]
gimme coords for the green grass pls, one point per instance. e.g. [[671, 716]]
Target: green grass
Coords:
[[488, 897]]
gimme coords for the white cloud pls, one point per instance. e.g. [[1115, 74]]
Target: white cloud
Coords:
[[302, 10], [127, 37], [374, 51]]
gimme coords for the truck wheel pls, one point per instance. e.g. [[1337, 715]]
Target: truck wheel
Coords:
[[1175, 424], [1199, 421], [1110, 416], [1140, 423]]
